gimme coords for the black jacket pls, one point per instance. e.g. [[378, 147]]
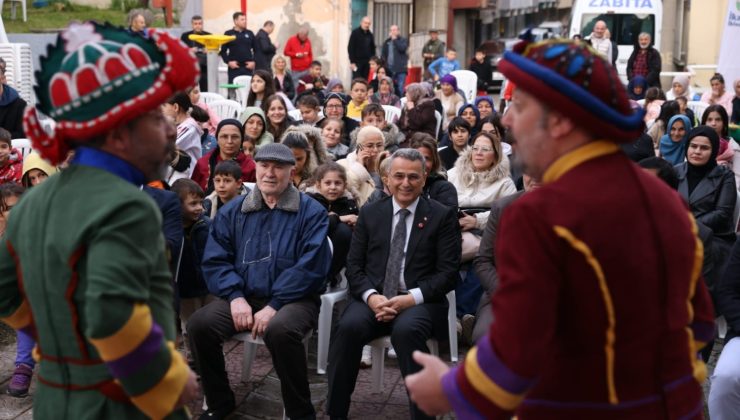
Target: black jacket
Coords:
[[713, 200], [264, 50], [287, 87], [361, 46], [484, 72], [654, 64], [342, 206], [735, 117], [169, 205], [190, 280], [439, 189], [241, 49], [11, 118], [432, 254]]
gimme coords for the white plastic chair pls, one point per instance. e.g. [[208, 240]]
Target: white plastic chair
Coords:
[[13, 6], [210, 97], [326, 312], [438, 116], [243, 92], [226, 108], [380, 344], [23, 145], [698, 107], [467, 81], [392, 113], [295, 115]]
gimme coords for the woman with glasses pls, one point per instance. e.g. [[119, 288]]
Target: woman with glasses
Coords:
[[362, 164], [480, 176]]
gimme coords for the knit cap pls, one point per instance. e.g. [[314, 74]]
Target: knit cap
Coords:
[[573, 78], [98, 77]]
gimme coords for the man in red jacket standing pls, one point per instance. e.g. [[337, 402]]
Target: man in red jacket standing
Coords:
[[298, 48], [600, 309]]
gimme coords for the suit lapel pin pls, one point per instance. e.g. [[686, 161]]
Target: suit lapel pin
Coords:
[[421, 224]]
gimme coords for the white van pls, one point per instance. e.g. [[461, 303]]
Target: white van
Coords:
[[626, 19]]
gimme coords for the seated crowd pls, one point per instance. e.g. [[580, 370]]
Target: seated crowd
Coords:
[[410, 207]]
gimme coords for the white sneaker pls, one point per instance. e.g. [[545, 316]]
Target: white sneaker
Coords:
[[392, 353], [367, 357]]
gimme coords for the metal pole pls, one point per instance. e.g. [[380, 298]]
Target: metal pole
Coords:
[[213, 62]]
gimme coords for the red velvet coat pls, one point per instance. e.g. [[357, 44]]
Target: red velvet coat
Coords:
[[600, 309]]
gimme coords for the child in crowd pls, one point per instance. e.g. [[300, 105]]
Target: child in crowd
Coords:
[[11, 160], [10, 193], [481, 66], [443, 66], [358, 93], [459, 134], [374, 115], [208, 140], [380, 193], [226, 185], [255, 126], [248, 147], [35, 170], [331, 134], [330, 189], [313, 82], [191, 285], [310, 108], [654, 98], [374, 63]]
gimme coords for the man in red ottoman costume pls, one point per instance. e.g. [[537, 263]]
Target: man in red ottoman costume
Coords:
[[600, 310]]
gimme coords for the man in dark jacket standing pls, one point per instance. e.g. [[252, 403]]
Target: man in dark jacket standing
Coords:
[[11, 108], [239, 53], [645, 61], [267, 259], [360, 48], [395, 55], [264, 49], [198, 49]]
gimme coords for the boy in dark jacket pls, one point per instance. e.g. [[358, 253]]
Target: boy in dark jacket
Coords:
[[191, 285]]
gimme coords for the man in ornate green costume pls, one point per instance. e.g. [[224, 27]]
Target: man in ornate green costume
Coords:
[[82, 264]]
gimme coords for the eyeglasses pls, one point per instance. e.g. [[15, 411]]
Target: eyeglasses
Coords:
[[334, 106], [412, 177], [482, 149]]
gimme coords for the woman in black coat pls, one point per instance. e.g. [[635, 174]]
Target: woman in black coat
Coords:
[[437, 187], [709, 188]]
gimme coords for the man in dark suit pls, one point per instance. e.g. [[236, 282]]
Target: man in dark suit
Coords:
[[198, 49], [403, 260]]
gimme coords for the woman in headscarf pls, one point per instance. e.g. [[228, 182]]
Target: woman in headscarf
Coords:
[[673, 143], [384, 95], [485, 106], [679, 87], [229, 135], [636, 88], [450, 98], [418, 113], [709, 188]]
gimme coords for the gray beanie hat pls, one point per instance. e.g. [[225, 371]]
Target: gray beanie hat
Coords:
[[275, 152]]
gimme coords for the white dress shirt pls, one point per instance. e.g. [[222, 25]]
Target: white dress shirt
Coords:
[[415, 292]]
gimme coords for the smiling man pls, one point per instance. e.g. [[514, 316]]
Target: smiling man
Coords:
[[267, 259], [592, 320], [403, 260]]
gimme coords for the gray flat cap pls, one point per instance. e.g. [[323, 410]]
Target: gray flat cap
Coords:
[[275, 152]]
